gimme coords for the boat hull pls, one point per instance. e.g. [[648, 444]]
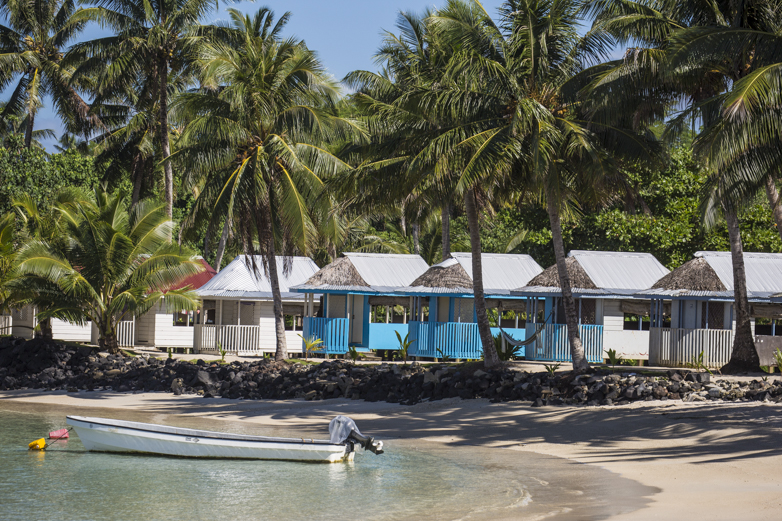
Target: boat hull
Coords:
[[98, 436]]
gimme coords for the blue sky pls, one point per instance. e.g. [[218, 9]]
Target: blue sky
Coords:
[[344, 33]]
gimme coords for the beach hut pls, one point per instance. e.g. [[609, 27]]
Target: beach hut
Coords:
[[692, 307], [161, 328], [360, 306], [237, 311], [25, 319], [610, 315], [445, 324]]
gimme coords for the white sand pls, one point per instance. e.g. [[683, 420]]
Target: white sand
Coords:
[[709, 461]]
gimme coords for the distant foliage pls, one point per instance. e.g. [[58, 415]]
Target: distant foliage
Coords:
[[33, 172], [663, 220]]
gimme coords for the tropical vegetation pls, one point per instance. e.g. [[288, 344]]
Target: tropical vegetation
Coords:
[[514, 131]]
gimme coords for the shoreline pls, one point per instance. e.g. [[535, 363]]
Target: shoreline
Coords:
[[719, 461]]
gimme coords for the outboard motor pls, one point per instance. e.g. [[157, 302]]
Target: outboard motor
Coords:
[[344, 430]]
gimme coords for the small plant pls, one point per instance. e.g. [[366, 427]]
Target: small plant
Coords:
[[613, 358], [778, 359], [553, 368], [221, 351], [404, 345], [510, 351], [354, 354], [697, 363], [764, 378], [629, 361], [442, 356], [170, 352], [311, 345]]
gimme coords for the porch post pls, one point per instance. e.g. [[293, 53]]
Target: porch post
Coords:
[[388, 313], [326, 303]]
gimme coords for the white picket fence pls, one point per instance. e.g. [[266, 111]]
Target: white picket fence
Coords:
[[240, 340], [126, 333], [5, 324], [677, 347]]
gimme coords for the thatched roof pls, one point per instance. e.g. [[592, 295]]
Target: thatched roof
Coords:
[[550, 277], [694, 275], [447, 274], [341, 272]]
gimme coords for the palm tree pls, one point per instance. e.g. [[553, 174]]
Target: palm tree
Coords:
[[154, 41], [252, 138], [32, 47], [383, 180], [721, 62], [520, 121], [112, 263]]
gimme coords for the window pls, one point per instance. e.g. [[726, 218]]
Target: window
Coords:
[[293, 323], [209, 317], [712, 315], [636, 322], [586, 311], [183, 319], [768, 327]]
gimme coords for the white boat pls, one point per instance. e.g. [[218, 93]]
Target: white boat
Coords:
[[107, 435]]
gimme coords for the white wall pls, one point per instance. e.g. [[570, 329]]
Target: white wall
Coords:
[[23, 317], [628, 344], [62, 330], [145, 328]]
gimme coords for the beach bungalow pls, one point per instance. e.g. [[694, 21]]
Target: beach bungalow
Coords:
[[360, 306], [25, 319], [610, 315], [237, 311], [692, 307], [445, 324], [161, 328]]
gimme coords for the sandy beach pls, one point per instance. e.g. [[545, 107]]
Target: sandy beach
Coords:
[[696, 461]]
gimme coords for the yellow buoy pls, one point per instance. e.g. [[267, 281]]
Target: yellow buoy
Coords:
[[37, 444]]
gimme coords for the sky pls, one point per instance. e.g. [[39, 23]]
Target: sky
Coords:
[[344, 33]]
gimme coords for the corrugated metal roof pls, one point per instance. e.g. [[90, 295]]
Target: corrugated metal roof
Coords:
[[764, 270], [620, 270], [755, 296], [388, 269], [237, 280], [197, 280], [501, 271]]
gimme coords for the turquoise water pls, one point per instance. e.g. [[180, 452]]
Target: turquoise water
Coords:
[[68, 483]]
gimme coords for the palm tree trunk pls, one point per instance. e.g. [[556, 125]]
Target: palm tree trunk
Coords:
[[28, 132], [773, 201], [45, 329], [221, 244], [744, 357], [281, 353], [490, 358], [137, 175], [207, 241], [165, 147], [416, 241], [446, 229], [580, 363]]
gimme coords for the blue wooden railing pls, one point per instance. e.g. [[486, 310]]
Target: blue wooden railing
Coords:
[[452, 339], [334, 332], [383, 336], [552, 345]]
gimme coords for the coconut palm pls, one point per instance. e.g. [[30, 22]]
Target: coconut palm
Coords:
[[32, 45], [383, 181], [722, 62], [513, 92], [153, 42], [112, 263], [251, 142]]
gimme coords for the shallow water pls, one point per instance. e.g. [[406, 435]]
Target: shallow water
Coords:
[[421, 481]]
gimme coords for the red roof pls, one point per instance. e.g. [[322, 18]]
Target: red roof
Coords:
[[197, 280]]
